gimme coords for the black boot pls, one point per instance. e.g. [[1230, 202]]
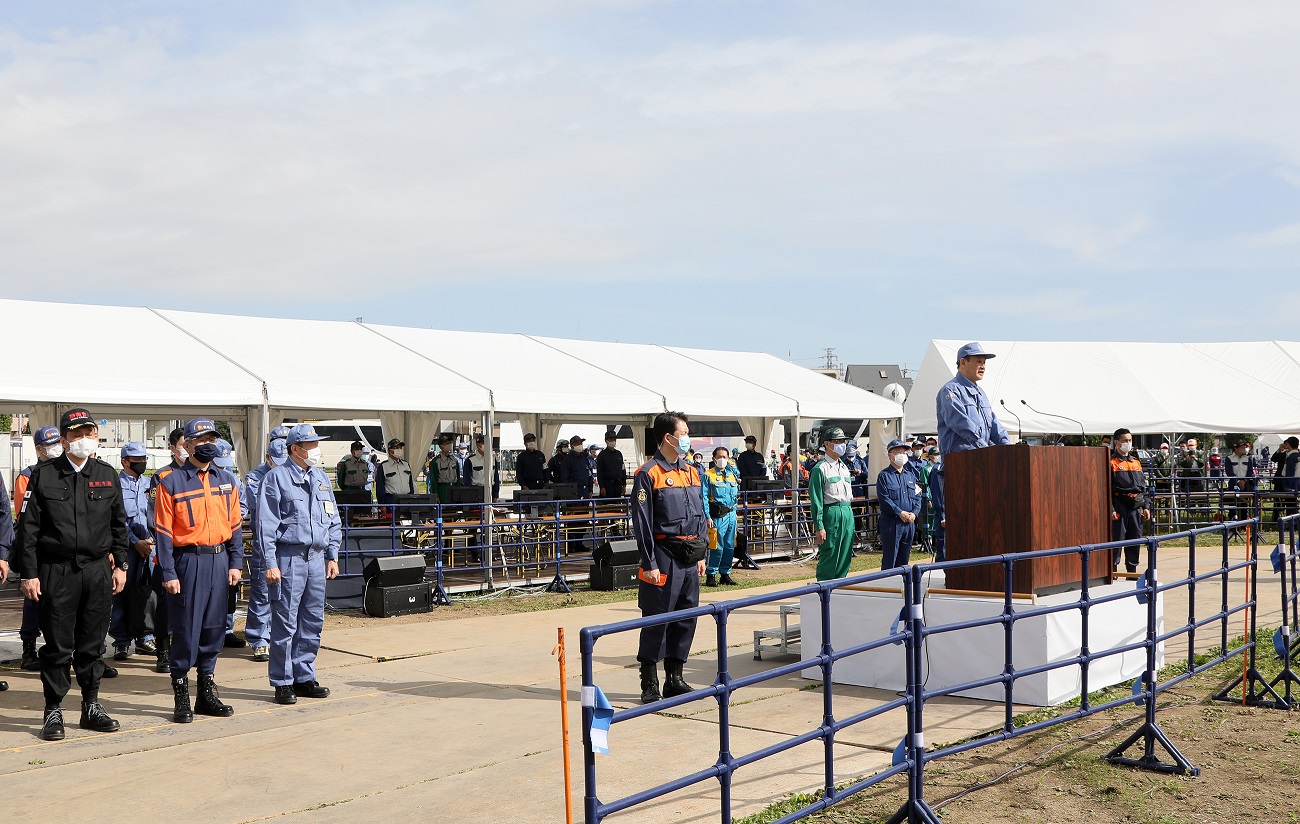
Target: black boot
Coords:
[[284, 695], [649, 683], [52, 727], [183, 714], [674, 684], [208, 702], [711, 580], [94, 718], [164, 663], [310, 689], [726, 580], [31, 662]]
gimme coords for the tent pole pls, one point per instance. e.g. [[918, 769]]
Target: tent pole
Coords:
[[489, 471], [795, 464]]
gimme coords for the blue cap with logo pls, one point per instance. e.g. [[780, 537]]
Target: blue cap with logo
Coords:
[[278, 452], [896, 444], [304, 433], [134, 449], [196, 427], [225, 460], [279, 433], [973, 348], [46, 436]]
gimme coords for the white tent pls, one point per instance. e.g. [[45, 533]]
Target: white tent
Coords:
[[1145, 387]]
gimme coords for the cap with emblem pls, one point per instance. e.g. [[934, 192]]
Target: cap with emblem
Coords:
[[932, 451], [833, 433], [75, 418], [279, 433], [611, 436], [134, 449], [530, 437], [971, 349], [196, 427], [576, 439], [46, 436], [394, 443], [445, 438], [278, 452], [304, 433], [226, 458], [750, 439], [896, 444]]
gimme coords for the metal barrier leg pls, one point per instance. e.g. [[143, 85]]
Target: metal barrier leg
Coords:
[[1150, 733], [1257, 691], [915, 810]]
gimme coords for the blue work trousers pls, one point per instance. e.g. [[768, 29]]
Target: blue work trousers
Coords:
[[681, 590], [197, 616], [895, 540], [720, 558], [297, 615], [259, 604]]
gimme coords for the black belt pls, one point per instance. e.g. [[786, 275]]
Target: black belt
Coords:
[[199, 550]]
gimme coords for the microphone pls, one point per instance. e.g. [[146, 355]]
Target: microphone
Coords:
[[1082, 433], [1020, 429]]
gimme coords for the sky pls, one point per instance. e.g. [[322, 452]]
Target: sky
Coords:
[[770, 176]]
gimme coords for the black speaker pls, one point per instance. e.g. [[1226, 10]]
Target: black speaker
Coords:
[[613, 577], [394, 570], [617, 553], [407, 599]]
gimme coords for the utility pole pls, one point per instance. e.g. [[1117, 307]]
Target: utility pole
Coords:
[[830, 357]]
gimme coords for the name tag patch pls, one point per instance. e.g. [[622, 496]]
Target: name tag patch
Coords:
[[98, 484], [329, 507]]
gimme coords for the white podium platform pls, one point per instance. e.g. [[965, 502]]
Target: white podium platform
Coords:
[[960, 656]]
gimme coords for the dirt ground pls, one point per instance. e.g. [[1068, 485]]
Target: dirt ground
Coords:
[[1249, 760]]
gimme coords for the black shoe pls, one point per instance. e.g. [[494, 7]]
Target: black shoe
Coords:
[[146, 648], [208, 702], [164, 663], [310, 689], [649, 683], [726, 580], [121, 653], [181, 689], [109, 672], [674, 684], [4, 685], [52, 727], [31, 661], [711, 581], [233, 641], [94, 718], [284, 695]]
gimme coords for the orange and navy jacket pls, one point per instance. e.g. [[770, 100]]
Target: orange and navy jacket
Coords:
[[197, 507], [1128, 483], [666, 501], [20, 487]]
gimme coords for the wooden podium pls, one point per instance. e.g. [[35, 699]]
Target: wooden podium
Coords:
[[1020, 498]]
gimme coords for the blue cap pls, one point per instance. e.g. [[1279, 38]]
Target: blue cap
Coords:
[[278, 452], [226, 460], [973, 348], [304, 433], [896, 444], [279, 433], [46, 436], [134, 449], [199, 426]]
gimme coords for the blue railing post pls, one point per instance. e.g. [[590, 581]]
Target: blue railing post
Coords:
[[828, 708], [1008, 668], [724, 716], [1085, 609], [590, 803]]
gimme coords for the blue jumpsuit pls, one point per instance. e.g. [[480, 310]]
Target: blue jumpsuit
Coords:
[[939, 510], [965, 416], [298, 530], [135, 498], [897, 493], [259, 604], [721, 487]]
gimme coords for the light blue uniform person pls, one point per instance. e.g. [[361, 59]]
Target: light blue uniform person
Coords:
[[298, 535], [226, 460], [965, 416], [135, 498], [721, 487], [259, 603]]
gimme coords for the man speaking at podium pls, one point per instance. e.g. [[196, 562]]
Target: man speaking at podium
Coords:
[[965, 416]]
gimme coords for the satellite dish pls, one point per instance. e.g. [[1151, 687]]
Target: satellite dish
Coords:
[[894, 392]]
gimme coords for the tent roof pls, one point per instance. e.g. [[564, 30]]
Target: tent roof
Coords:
[[1145, 387]]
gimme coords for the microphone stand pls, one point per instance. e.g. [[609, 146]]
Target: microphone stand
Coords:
[[1020, 429], [1082, 433]]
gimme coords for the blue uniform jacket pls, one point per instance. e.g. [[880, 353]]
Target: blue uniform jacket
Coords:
[[135, 498], [252, 486], [467, 473], [6, 524], [196, 508], [296, 511], [751, 464], [966, 419], [720, 487], [897, 493], [857, 466], [574, 469]]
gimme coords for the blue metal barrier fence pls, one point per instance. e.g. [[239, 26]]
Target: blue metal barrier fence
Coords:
[[1211, 564]]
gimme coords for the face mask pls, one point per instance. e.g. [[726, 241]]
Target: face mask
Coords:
[[936, 461], [181, 455], [900, 459], [839, 449], [720, 463], [83, 448], [684, 445], [313, 456], [138, 467], [356, 454], [1125, 448], [53, 451], [207, 452], [531, 447], [398, 454], [610, 444], [564, 448], [916, 453]]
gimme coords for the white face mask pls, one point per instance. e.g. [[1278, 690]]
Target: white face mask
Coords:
[[313, 456], [839, 449], [900, 459], [181, 454], [1125, 448], [53, 451], [398, 454], [357, 453], [83, 448], [721, 463], [530, 446]]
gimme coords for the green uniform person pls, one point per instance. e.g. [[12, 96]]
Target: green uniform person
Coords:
[[830, 493]]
